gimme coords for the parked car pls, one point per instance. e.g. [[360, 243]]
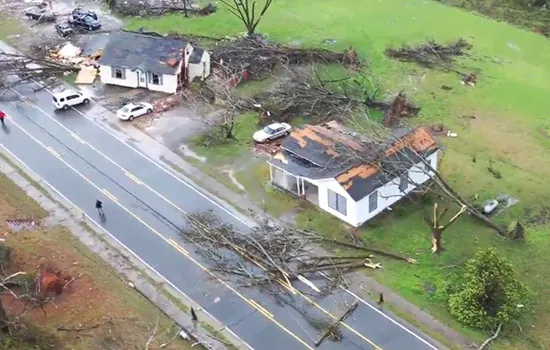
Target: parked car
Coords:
[[81, 12], [40, 13], [68, 98], [134, 110], [272, 132], [64, 29], [85, 19]]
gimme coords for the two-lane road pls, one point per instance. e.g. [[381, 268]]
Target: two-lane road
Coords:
[[145, 205]]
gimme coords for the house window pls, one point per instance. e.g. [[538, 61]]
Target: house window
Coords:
[[155, 79], [373, 201], [337, 202], [404, 182], [118, 73]]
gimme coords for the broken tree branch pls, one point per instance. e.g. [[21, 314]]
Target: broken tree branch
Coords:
[[336, 323], [491, 338]]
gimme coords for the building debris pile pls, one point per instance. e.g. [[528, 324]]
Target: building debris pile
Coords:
[[70, 55], [273, 256], [167, 103], [431, 54], [259, 57]]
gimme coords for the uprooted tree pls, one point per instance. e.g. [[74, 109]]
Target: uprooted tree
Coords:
[[245, 11], [488, 293]]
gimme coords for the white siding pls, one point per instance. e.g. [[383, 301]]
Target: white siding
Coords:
[[390, 193], [198, 69], [333, 185], [169, 82], [131, 78]]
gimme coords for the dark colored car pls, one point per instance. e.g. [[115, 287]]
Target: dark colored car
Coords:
[[40, 13], [86, 21], [64, 29], [80, 12]]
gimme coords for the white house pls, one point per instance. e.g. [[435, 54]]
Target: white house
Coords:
[[154, 62], [328, 166]]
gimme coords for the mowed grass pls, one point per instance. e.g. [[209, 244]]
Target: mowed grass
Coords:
[[502, 121]]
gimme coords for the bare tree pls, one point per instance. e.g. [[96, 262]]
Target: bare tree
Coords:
[[246, 12], [185, 8], [437, 228]]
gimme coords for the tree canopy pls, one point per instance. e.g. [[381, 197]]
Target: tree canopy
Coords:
[[489, 292]]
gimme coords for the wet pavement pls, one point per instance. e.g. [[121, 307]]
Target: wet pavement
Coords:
[[145, 206]]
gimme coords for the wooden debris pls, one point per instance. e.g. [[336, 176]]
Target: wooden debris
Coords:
[[334, 325]]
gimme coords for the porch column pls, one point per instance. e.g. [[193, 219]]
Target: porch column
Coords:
[[298, 185], [270, 173], [284, 180]]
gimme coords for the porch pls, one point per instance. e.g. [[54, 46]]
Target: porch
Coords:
[[294, 184]]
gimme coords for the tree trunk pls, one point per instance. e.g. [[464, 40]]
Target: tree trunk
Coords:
[[436, 241], [185, 8]]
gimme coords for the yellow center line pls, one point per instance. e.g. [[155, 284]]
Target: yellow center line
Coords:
[[262, 310], [54, 152], [78, 138], [133, 177], [108, 194]]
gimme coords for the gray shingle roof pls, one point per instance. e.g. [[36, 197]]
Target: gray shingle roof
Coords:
[[144, 52]]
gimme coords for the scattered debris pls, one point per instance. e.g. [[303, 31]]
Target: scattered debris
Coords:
[[399, 109], [332, 330], [329, 41], [16, 225], [86, 75], [494, 171], [431, 54], [470, 80], [490, 206], [451, 134], [446, 87], [167, 103], [269, 148]]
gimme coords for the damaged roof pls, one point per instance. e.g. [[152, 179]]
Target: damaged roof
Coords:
[[148, 53], [330, 151], [196, 55]]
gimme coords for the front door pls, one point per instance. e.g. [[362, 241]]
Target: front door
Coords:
[[142, 79]]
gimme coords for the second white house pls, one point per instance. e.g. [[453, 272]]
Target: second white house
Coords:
[[154, 62]]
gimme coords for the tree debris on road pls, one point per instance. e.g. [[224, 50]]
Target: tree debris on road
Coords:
[[273, 255]]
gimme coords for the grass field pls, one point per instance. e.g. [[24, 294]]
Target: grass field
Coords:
[[510, 129]]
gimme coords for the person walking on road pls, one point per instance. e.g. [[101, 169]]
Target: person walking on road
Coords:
[[2, 116], [99, 207]]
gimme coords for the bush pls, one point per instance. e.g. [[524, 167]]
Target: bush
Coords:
[[488, 293]]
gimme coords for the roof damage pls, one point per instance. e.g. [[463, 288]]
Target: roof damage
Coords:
[[360, 165], [148, 53]]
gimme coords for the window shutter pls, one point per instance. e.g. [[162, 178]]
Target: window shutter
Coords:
[[113, 72]]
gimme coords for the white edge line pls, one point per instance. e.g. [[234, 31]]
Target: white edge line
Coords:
[[124, 246], [138, 152], [381, 313], [393, 321]]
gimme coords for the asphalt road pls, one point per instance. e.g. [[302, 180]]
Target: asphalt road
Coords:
[[145, 205]]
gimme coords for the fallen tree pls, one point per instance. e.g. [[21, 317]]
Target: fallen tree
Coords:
[[259, 57], [431, 54], [273, 256], [16, 69]]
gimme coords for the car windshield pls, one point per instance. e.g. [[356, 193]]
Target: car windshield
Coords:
[[268, 130], [54, 99], [125, 109]]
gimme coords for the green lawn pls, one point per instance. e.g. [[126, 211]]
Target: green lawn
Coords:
[[510, 129]]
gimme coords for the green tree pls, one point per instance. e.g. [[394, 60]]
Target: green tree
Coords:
[[488, 293]]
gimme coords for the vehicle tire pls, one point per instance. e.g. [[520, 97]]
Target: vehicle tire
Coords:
[[130, 118], [287, 133], [86, 101], [149, 110], [65, 107]]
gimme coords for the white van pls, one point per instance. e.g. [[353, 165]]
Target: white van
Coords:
[[67, 98]]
